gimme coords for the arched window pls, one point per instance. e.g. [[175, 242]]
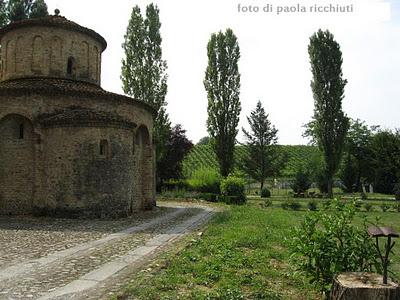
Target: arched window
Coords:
[[71, 66], [21, 131], [104, 152]]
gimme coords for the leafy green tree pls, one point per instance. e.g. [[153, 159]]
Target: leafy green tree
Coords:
[[39, 9], [302, 181], [262, 159], [348, 174], [18, 9], [204, 141], [330, 122], [222, 83], [385, 146], [177, 147], [3, 13], [143, 71], [358, 146]]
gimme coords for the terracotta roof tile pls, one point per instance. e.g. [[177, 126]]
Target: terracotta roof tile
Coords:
[[58, 86]]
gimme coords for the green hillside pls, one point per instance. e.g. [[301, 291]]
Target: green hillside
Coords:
[[202, 156]]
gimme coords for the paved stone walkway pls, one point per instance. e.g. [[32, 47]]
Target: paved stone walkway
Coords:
[[84, 259]]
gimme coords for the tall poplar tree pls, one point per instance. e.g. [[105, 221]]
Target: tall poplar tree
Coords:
[[38, 9], [222, 83], [18, 10], [143, 71], [3, 13], [330, 122]]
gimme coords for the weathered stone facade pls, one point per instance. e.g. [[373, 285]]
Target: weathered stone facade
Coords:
[[67, 146]]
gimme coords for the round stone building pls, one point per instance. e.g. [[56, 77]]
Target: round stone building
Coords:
[[68, 147]]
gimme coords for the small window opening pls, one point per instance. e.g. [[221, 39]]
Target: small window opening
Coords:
[[104, 148], [70, 66], [21, 131]]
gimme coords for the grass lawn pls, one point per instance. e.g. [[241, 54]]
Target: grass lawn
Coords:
[[241, 255]]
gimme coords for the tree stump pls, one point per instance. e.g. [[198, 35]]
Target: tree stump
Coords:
[[363, 286]]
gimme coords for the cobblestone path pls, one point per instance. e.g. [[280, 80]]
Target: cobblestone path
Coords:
[[85, 259]]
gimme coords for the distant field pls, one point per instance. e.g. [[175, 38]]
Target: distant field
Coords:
[[203, 156]]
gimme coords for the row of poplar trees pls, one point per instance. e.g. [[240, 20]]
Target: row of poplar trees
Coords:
[[144, 77], [329, 125]]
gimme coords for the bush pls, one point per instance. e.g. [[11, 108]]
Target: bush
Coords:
[[175, 184], [233, 188], [385, 207], [368, 206], [327, 243], [265, 193], [312, 205], [266, 203], [210, 197], [302, 182], [205, 180], [291, 204], [358, 204], [397, 191]]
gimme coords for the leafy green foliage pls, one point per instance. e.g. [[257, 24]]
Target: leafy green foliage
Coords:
[[385, 206], [312, 205], [143, 72], [368, 206], [205, 181], [397, 191], [176, 148], [302, 181], [265, 193], [17, 10], [328, 243], [358, 156], [3, 13], [234, 187], [330, 124], [385, 146], [349, 175], [222, 84], [262, 159], [204, 140], [202, 156], [291, 204], [39, 9]]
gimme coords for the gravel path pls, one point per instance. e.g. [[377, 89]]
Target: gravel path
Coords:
[[76, 259]]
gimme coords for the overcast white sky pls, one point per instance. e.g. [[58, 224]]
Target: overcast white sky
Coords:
[[274, 64]]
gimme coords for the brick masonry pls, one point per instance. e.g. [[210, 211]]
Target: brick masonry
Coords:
[[67, 147]]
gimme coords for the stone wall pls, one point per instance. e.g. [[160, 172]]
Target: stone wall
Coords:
[[17, 173], [65, 173], [55, 52]]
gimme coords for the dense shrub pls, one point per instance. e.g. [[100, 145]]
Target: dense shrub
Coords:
[[291, 204], [302, 182], [327, 243], [312, 205], [364, 196], [368, 206], [205, 180], [210, 197], [175, 184], [266, 203], [233, 188], [265, 193], [358, 204], [397, 191], [385, 207]]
